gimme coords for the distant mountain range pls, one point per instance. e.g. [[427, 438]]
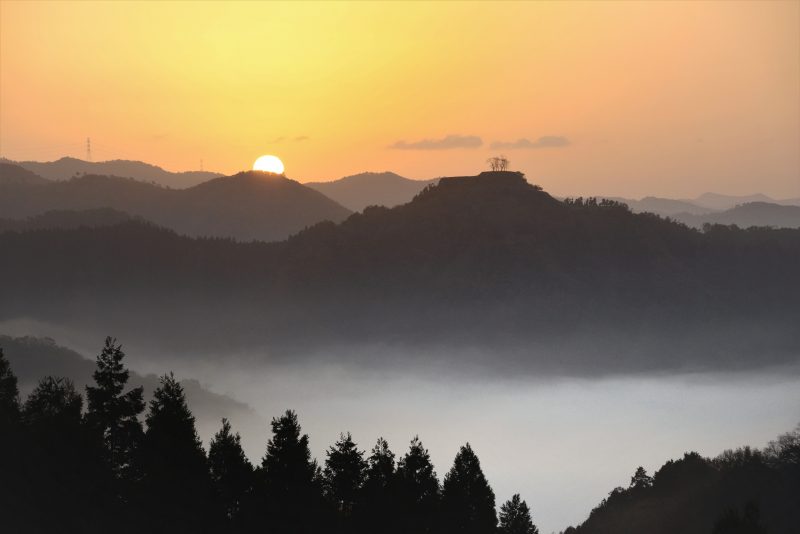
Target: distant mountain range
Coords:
[[712, 208], [246, 206], [66, 168], [746, 215], [387, 189], [371, 189], [478, 261]]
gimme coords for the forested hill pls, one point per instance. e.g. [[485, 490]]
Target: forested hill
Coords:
[[488, 260], [246, 206]]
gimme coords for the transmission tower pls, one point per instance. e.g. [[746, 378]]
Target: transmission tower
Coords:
[[88, 149]]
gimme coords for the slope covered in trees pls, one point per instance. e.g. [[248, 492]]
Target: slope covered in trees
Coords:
[[247, 206], [484, 261], [96, 467]]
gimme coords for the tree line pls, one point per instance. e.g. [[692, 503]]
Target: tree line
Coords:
[[64, 468]]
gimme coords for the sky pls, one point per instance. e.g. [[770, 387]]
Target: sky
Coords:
[[617, 98]]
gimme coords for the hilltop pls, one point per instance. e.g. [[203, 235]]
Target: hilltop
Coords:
[[247, 206]]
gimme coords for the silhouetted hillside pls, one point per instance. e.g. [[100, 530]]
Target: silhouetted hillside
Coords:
[[486, 261], [371, 189], [64, 219], [249, 205], [747, 215], [66, 168], [14, 175], [745, 491]]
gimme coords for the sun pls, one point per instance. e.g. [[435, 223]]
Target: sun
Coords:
[[269, 163]]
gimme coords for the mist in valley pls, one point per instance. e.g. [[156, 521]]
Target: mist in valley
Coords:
[[562, 439]]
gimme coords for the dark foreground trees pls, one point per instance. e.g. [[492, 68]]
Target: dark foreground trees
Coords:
[[102, 471]]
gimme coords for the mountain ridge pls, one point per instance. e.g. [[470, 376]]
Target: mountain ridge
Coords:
[[246, 206]]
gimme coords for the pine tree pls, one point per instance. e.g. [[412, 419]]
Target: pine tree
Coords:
[[640, 479], [291, 479], [467, 499], [112, 413], [418, 490], [9, 394], [176, 479], [344, 473], [231, 471], [379, 493], [66, 483], [515, 517]]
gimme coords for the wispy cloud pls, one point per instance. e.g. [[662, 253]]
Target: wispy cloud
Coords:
[[547, 141], [446, 143], [301, 138]]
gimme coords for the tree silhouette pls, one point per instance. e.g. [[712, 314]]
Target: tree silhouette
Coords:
[[379, 493], [640, 479], [498, 163], [515, 517], [176, 482], [291, 479], [9, 394], [418, 490], [64, 486], [231, 471], [112, 413], [344, 474], [467, 500]]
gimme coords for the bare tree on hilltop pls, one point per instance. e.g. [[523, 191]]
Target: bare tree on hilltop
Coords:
[[498, 163]]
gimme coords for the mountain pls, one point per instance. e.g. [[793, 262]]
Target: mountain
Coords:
[[663, 206], [34, 358], [65, 219], [749, 214], [716, 201], [14, 175], [249, 205], [66, 168], [488, 267], [371, 189]]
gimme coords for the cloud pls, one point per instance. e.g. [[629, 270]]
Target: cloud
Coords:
[[446, 143], [301, 138], [547, 141]]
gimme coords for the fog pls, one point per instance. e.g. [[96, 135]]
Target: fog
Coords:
[[563, 443]]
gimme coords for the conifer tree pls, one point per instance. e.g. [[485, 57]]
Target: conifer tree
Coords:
[[345, 469], [291, 479], [467, 499], [66, 483], [515, 517], [9, 394], [379, 490], [176, 479], [640, 479], [112, 413], [231, 471], [418, 489]]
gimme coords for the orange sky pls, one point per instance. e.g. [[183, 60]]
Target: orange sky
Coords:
[[670, 99]]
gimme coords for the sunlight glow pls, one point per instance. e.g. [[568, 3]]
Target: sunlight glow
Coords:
[[269, 163]]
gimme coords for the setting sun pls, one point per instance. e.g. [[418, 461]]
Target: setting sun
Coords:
[[269, 163]]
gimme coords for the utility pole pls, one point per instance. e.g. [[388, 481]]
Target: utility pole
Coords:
[[88, 149]]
